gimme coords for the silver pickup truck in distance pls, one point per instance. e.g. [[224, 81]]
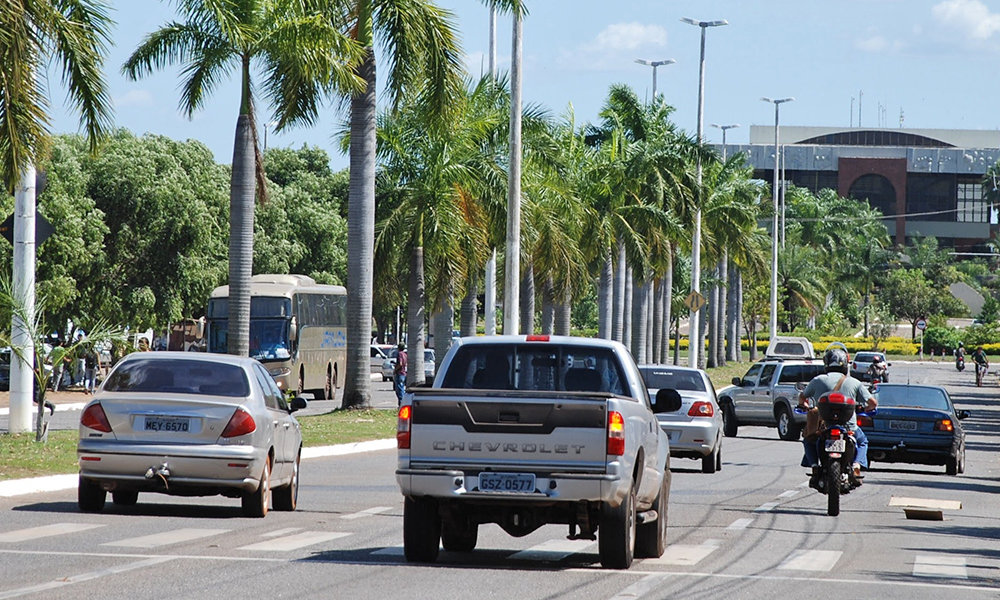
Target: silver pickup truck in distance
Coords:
[[524, 431]]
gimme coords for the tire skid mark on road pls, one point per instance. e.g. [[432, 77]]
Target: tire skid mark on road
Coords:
[[58, 583]]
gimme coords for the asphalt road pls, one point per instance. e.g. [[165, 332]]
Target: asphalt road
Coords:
[[753, 530]]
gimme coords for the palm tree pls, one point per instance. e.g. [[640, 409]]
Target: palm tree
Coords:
[[423, 50], [302, 57]]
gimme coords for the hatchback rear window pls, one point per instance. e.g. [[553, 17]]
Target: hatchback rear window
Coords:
[[205, 378], [658, 379]]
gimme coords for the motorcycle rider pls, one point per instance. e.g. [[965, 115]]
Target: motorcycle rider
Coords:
[[979, 357], [877, 369], [960, 356], [836, 362]]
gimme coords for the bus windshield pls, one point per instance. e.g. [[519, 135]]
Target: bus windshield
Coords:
[[268, 339]]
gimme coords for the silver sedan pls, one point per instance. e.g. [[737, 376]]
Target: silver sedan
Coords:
[[694, 422], [190, 424]]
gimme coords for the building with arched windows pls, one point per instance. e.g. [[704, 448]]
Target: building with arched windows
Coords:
[[927, 182]]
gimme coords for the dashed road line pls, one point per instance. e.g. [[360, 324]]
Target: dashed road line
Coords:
[[294, 542], [553, 550], [931, 565], [739, 524], [33, 533], [166, 538], [368, 512], [62, 582], [811, 560]]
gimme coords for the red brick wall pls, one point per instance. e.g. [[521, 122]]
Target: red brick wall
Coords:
[[893, 169]]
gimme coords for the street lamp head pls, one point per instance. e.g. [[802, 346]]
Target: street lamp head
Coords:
[[776, 101], [725, 127], [655, 63], [704, 24]]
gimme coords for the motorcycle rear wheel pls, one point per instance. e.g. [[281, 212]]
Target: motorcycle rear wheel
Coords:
[[833, 488]]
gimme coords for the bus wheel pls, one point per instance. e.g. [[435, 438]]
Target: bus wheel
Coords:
[[301, 386], [330, 387]]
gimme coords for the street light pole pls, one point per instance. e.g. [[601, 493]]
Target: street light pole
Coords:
[[724, 128], [693, 330], [773, 330], [654, 64]]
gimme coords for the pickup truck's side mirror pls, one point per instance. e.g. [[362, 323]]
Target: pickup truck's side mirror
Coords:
[[667, 400], [297, 403], [738, 381]]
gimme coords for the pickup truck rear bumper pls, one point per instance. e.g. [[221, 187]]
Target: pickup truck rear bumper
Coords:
[[568, 487]]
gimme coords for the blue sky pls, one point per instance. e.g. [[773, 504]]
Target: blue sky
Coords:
[[934, 61]]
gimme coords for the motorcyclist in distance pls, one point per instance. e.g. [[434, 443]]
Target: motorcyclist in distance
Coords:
[[979, 357], [960, 356], [877, 370], [836, 362]]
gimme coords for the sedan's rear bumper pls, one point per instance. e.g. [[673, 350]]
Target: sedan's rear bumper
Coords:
[[692, 439], [920, 453]]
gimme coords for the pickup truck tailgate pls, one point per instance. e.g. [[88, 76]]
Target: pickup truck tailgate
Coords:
[[509, 431]]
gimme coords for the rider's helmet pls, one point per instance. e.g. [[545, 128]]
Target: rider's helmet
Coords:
[[835, 359], [876, 360], [961, 345]]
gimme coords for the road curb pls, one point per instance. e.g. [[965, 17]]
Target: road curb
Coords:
[[58, 483]]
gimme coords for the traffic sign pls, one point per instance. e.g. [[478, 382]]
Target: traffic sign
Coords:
[[43, 229], [921, 324], [695, 301]]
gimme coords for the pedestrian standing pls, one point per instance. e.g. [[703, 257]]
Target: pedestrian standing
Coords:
[[399, 373], [59, 362], [90, 362]]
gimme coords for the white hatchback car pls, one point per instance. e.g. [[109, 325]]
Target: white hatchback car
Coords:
[[694, 425], [190, 424], [389, 365]]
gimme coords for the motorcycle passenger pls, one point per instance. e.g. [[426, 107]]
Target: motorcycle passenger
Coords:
[[837, 372], [979, 357], [877, 369], [960, 354]]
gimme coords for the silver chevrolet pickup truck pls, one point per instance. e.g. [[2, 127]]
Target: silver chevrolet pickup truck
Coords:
[[524, 431]]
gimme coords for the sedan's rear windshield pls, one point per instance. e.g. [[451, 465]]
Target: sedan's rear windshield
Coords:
[[658, 379], [205, 378], [915, 397], [536, 367]]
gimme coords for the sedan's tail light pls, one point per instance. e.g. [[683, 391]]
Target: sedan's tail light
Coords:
[[403, 427], [944, 425], [702, 409], [616, 433], [865, 421], [93, 417], [241, 423]]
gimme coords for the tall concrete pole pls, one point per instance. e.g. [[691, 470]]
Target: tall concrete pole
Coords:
[[512, 267], [490, 291], [23, 361]]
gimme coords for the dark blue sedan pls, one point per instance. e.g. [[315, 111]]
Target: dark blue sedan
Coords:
[[916, 424]]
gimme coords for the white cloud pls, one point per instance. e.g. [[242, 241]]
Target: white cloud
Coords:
[[970, 18], [873, 44], [615, 45], [134, 99], [630, 36]]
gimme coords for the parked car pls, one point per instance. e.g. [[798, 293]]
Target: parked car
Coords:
[[695, 426], [916, 424], [389, 365], [379, 356], [190, 424], [862, 361]]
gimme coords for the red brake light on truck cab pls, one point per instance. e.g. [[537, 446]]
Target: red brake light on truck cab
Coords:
[[403, 427], [701, 409], [536, 338], [616, 433], [241, 423], [94, 418]]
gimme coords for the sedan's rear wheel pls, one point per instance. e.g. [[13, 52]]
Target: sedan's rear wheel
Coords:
[[89, 496], [257, 503], [951, 465], [125, 497], [286, 497], [710, 462]]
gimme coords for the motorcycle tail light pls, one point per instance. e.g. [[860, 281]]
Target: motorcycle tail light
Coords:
[[701, 409], [616, 433], [944, 425], [835, 433], [403, 427]]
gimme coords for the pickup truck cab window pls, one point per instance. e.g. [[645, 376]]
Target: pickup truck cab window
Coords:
[[766, 374], [751, 377]]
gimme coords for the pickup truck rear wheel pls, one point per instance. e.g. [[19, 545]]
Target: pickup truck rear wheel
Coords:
[[421, 530], [459, 537], [651, 538], [788, 429], [730, 426], [616, 533]]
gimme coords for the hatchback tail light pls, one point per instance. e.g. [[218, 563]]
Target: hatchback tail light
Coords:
[[944, 425], [241, 423], [94, 418], [616, 433], [702, 409], [403, 422]]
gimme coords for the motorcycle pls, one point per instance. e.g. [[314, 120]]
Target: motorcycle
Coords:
[[836, 448], [878, 372], [960, 363]]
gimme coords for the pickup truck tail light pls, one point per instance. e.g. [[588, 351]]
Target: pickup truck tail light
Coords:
[[403, 427], [944, 425], [94, 418], [702, 409], [616, 433]]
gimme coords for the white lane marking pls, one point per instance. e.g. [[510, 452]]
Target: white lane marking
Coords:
[[925, 503], [50, 483], [766, 507], [166, 538], [367, 512], [739, 524], [343, 449], [553, 550], [58, 583], [294, 542], [280, 532], [390, 551], [33, 533], [685, 555], [929, 565], [640, 588], [811, 560], [789, 493]]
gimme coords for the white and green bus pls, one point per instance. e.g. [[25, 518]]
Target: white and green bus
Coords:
[[297, 330]]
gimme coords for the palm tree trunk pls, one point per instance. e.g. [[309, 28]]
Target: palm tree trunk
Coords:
[[444, 326], [241, 205], [361, 241], [723, 295], [604, 298], [490, 295], [657, 320], [527, 300], [739, 314], [415, 319], [618, 302], [713, 322], [627, 310], [564, 312], [668, 298], [470, 314], [639, 345], [548, 308]]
